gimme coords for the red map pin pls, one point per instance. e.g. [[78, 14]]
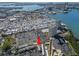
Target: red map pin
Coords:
[[38, 40]]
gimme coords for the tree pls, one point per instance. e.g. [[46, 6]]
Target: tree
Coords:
[[7, 44], [70, 37]]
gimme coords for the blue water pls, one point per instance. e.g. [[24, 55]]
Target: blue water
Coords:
[[24, 7], [71, 19]]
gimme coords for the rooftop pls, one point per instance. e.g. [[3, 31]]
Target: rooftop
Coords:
[[24, 22]]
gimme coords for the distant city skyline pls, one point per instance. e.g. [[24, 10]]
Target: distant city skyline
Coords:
[[39, 0]]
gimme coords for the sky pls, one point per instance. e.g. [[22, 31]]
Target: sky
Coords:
[[39, 0]]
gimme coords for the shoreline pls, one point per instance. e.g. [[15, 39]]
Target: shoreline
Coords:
[[73, 42]]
